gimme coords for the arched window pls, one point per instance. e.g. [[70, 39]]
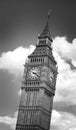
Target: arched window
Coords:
[[31, 60]]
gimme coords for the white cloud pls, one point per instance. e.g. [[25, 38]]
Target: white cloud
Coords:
[[13, 61], [19, 93], [63, 121], [9, 120], [64, 48], [66, 79]]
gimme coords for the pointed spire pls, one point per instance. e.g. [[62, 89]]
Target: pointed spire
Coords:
[[46, 31], [48, 16]]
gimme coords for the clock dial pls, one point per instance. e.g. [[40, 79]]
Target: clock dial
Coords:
[[34, 73]]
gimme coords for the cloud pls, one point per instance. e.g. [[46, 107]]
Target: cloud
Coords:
[[66, 79], [19, 93], [59, 121], [64, 48], [13, 61], [63, 51], [9, 120], [11, 72], [66, 88], [63, 121], [9, 87]]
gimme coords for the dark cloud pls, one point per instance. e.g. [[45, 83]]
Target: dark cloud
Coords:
[[21, 21], [70, 109], [62, 106], [9, 87], [69, 61]]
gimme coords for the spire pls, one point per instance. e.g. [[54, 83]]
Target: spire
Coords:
[[46, 31]]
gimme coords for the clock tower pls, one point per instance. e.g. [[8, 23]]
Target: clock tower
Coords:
[[38, 86]]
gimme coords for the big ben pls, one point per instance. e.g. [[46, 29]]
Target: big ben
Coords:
[[38, 86]]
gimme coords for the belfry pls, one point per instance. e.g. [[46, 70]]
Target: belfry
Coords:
[[38, 86]]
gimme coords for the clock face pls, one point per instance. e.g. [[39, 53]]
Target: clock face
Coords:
[[51, 76], [34, 73]]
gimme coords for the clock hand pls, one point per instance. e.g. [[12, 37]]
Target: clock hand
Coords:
[[35, 73], [51, 77]]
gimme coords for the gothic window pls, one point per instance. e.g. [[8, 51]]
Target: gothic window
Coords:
[[37, 59], [43, 59], [33, 60]]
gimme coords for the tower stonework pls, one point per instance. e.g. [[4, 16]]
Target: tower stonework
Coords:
[[38, 86]]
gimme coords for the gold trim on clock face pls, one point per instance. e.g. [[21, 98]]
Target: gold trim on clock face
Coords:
[[34, 73]]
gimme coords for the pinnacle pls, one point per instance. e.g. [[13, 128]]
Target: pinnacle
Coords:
[[46, 31]]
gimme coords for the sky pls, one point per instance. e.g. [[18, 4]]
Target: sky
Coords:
[[20, 23]]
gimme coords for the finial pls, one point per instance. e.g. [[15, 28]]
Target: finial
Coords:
[[48, 15], [46, 31]]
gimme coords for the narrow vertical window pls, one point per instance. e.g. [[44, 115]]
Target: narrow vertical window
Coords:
[[31, 60]]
